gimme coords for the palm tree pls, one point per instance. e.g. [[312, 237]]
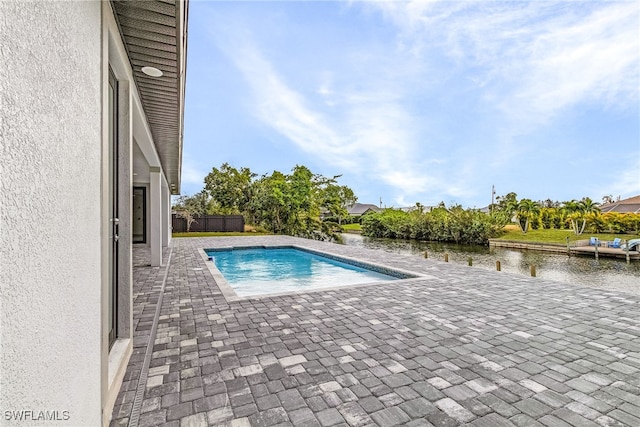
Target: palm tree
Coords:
[[578, 210], [527, 210], [572, 209], [588, 207], [524, 210]]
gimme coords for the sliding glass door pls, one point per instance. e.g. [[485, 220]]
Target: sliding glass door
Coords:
[[113, 203]]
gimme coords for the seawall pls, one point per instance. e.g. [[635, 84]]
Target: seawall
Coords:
[[514, 244]]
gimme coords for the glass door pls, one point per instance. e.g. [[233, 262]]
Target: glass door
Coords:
[[139, 225], [113, 203]]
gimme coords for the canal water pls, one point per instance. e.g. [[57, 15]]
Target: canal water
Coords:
[[605, 273]]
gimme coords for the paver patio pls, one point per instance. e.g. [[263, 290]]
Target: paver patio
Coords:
[[459, 346]]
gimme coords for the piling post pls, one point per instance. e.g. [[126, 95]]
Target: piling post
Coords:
[[533, 270], [470, 261], [446, 257], [626, 250], [426, 254], [568, 246], [596, 246], [497, 265]]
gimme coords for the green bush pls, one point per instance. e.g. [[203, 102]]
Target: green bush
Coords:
[[596, 223], [441, 225], [621, 222], [535, 223], [546, 218]]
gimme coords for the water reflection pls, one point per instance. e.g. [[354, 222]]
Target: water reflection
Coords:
[[604, 273]]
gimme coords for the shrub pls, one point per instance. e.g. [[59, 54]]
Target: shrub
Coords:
[[441, 225], [596, 223], [621, 222], [545, 218], [556, 221]]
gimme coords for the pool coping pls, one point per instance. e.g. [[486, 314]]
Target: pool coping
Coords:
[[403, 276]]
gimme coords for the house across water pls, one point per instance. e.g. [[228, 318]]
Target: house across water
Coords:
[[630, 205]]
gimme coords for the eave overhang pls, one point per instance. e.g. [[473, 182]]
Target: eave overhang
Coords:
[[154, 33]]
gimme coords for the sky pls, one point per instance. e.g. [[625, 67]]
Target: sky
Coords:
[[419, 101]]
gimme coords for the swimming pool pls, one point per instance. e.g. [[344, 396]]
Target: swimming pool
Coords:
[[265, 270]]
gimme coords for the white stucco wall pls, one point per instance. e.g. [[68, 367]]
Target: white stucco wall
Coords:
[[50, 183]]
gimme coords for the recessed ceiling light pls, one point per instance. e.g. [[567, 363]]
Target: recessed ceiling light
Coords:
[[151, 71]]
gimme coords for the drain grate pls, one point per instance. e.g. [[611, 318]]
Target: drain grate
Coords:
[[134, 418]]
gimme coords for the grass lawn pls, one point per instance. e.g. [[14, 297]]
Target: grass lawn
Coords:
[[353, 227], [219, 234], [557, 236]]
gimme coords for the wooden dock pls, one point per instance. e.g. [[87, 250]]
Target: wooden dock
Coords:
[[604, 251], [579, 247]]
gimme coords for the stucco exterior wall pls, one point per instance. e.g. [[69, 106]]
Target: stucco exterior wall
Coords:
[[50, 208]]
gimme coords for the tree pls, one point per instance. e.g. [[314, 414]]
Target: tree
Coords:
[[504, 202], [525, 210], [572, 210], [589, 208], [189, 206], [188, 217], [336, 198], [303, 204], [282, 203], [608, 199], [577, 212], [269, 201], [230, 188], [549, 204]]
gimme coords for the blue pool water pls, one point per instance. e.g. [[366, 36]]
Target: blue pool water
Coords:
[[266, 271]]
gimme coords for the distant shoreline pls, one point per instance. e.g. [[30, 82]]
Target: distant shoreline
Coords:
[[557, 248]]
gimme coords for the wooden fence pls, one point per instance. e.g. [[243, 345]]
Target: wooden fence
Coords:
[[209, 223]]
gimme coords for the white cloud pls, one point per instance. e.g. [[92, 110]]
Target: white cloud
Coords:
[[625, 182], [530, 62], [537, 57], [591, 59], [370, 134], [279, 106], [409, 112]]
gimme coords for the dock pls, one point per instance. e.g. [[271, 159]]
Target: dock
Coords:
[[605, 252], [579, 247], [583, 247]]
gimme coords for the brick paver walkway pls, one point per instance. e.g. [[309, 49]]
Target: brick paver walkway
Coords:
[[461, 346]]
